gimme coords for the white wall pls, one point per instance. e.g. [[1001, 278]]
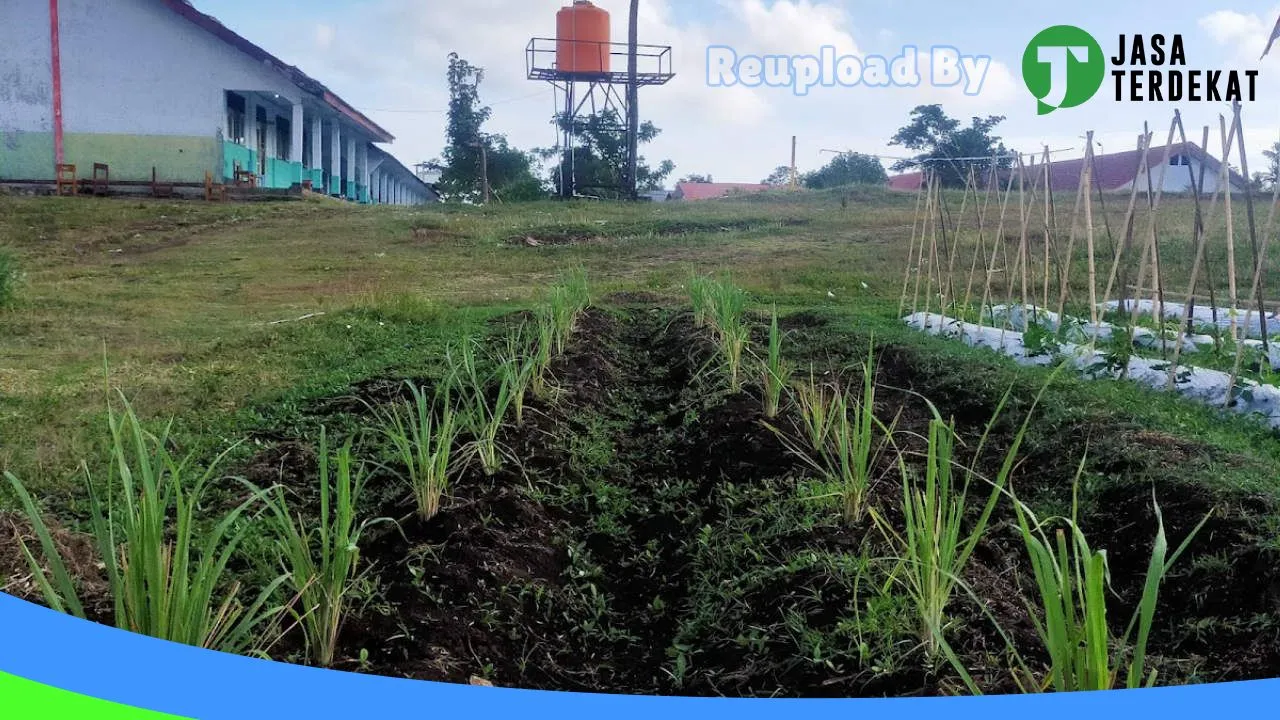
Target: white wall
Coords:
[[137, 67], [1178, 178], [26, 87]]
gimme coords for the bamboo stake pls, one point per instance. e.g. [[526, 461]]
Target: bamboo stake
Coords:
[[924, 230], [1022, 248], [1253, 230], [1048, 203], [1195, 263], [933, 251], [906, 276], [1144, 147], [1064, 275], [981, 247], [955, 234], [1088, 220], [996, 246], [1225, 182], [1257, 281], [1151, 250]]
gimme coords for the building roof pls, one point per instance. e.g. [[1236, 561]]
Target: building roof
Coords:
[[1116, 170], [711, 191], [906, 181], [296, 76], [377, 153]]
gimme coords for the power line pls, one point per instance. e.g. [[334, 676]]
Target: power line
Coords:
[[441, 112]]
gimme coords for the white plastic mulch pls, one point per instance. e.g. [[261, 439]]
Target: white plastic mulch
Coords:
[[1201, 384]]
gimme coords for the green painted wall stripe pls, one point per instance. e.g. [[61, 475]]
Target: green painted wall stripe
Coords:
[[176, 158], [22, 699]]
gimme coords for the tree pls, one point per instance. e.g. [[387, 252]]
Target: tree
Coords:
[[510, 170], [695, 178], [948, 148], [599, 161], [849, 168], [780, 176], [1272, 174]]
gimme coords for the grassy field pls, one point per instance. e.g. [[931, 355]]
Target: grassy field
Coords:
[[650, 529]]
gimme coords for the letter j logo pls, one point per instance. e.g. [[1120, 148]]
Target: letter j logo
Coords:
[[1063, 67]]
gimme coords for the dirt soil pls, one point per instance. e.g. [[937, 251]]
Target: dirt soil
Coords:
[[659, 538]]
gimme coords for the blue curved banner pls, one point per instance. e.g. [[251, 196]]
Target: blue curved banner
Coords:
[[59, 651]]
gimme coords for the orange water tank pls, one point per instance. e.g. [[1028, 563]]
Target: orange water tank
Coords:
[[582, 38]]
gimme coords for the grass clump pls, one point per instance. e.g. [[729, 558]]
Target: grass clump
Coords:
[[165, 566], [422, 434], [321, 555]]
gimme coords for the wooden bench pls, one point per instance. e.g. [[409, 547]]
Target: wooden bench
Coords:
[[159, 189], [214, 191], [101, 183], [65, 181]]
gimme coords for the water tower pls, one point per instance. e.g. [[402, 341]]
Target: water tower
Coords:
[[592, 75]]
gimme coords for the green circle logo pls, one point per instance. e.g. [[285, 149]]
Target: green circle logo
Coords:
[[1063, 67]]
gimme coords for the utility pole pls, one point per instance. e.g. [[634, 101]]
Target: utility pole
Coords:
[[633, 101], [793, 162], [484, 169]]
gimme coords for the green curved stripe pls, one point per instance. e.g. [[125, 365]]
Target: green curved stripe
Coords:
[[22, 699]]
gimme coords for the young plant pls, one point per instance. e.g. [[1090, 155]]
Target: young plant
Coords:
[[167, 574], [542, 352], [933, 546], [849, 449], [482, 417], [700, 300], [840, 436], [516, 370], [775, 373], [423, 434], [733, 343], [321, 556], [1072, 580], [814, 402]]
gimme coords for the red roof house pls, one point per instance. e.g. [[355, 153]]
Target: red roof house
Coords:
[[906, 181], [1117, 172], [712, 191]]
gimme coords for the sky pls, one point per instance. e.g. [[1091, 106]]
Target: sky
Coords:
[[388, 58]]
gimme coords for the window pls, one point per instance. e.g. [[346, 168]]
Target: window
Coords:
[[1180, 160], [235, 118]]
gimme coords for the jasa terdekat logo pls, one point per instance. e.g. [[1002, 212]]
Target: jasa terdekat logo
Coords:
[[1064, 67]]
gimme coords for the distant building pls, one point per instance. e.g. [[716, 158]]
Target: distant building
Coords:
[[712, 191], [1117, 172], [156, 86]]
